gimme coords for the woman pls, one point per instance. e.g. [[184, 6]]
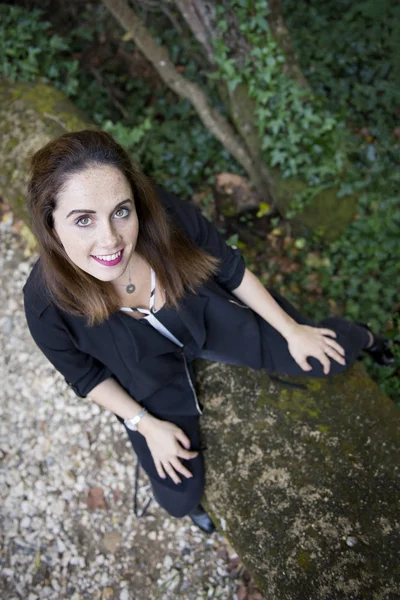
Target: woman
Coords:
[[133, 284]]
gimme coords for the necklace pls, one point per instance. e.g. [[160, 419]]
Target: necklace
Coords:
[[130, 288]]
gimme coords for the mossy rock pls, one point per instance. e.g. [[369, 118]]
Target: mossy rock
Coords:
[[304, 482], [327, 216], [30, 116]]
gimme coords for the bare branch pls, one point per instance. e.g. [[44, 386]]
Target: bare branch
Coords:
[[156, 6], [189, 11]]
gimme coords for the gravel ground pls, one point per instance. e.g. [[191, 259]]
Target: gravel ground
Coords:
[[68, 527]]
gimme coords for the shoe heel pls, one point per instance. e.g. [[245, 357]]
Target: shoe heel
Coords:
[[380, 351]]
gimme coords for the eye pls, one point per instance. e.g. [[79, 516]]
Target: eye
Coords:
[[121, 210], [80, 223]]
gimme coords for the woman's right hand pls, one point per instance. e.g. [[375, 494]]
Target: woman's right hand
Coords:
[[167, 444]]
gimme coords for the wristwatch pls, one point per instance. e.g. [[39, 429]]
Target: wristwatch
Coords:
[[133, 423]]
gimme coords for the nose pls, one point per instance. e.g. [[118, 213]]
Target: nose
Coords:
[[109, 237]]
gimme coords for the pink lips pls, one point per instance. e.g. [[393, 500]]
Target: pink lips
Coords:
[[109, 263]]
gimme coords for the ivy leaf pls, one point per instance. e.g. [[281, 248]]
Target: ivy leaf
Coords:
[[233, 83], [277, 157]]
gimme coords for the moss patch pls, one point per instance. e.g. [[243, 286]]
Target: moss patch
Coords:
[[30, 116]]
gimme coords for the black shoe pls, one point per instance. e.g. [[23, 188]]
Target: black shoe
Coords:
[[380, 350], [202, 519]]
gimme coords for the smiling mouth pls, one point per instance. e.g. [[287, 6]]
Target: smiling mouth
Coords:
[[109, 259], [109, 256]]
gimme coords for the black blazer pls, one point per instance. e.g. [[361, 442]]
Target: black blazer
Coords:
[[150, 367]]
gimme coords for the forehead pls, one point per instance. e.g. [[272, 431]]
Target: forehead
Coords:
[[99, 185]]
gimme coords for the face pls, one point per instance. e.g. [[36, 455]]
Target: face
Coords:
[[96, 222]]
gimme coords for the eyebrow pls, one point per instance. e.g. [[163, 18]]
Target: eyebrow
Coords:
[[93, 212]]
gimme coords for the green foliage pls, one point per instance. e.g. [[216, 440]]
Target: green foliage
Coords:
[[129, 137], [178, 151], [343, 136], [354, 67], [162, 133], [362, 269], [29, 51], [355, 63], [300, 136], [308, 137], [347, 53]]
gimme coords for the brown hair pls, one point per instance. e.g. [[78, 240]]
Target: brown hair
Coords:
[[178, 263]]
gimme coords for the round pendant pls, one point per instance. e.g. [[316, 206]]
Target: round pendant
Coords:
[[130, 288]]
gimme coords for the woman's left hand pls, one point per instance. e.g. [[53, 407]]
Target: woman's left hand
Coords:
[[304, 341]]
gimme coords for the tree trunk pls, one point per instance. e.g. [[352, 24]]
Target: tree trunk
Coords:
[[211, 118], [328, 215], [200, 16], [282, 37]]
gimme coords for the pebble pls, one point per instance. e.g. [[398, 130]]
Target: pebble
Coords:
[[60, 546], [7, 325], [168, 562], [26, 521], [111, 540], [351, 541], [55, 447]]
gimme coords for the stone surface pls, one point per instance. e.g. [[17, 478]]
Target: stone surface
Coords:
[[30, 116], [305, 483]]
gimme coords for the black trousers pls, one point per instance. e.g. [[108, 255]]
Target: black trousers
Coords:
[[179, 499]]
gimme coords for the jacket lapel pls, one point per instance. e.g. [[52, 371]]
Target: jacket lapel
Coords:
[[192, 314], [148, 342]]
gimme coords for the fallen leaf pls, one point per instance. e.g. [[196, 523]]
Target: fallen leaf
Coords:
[[243, 196], [95, 498], [111, 540]]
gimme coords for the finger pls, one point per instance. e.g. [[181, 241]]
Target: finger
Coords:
[[324, 360], [304, 365], [188, 455], [168, 468], [334, 345], [328, 332], [335, 355], [178, 466], [182, 438], [159, 469]]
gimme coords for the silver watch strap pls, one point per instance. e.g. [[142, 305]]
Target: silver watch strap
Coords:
[[133, 422]]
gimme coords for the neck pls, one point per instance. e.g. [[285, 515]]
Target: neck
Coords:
[[137, 268], [131, 270]]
